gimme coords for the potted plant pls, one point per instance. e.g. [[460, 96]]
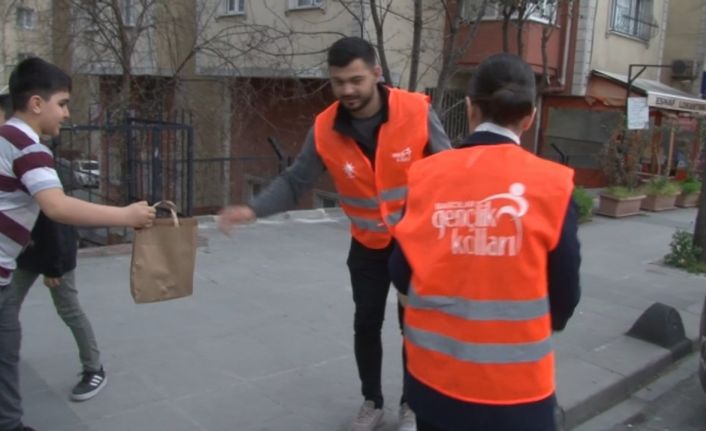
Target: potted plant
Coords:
[[620, 162], [660, 194], [690, 190]]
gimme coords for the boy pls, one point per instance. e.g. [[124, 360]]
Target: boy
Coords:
[[39, 93], [52, 254]]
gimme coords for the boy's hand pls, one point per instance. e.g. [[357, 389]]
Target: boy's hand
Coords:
[[52, 282], [237, 214], [140, 215]]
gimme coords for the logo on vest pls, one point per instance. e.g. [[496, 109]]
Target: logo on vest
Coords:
[[404, 156], [473, 225], [349, 170]]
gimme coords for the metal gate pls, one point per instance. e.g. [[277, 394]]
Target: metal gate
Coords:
[[127, 161]]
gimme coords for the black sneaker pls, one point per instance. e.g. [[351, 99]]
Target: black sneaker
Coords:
[[91, 383]]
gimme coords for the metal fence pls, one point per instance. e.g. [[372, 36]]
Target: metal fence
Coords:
[[121, 162], [453, 113]]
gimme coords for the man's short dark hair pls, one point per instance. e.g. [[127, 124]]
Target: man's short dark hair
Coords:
[[35, 76], [346, 50], [5, 105]]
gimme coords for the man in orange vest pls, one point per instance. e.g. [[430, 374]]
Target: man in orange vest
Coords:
[[490, 263], [366, 141]]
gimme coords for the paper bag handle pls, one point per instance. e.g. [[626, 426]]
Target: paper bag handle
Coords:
[[171, 206]]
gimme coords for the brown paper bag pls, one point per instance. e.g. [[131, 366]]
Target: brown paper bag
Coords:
[[163, 258]]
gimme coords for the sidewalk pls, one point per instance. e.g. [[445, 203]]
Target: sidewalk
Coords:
[[265, 343]]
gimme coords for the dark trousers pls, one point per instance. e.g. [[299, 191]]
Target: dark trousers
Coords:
[[426, 426], [370, 280], [10, 337], [423, 425]]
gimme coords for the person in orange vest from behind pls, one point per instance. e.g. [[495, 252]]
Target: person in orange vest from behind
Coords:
[[366, 140], [489, 259]]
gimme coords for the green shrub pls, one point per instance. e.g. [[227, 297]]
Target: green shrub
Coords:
[[684, 253], [660, 186], [690, 185], [621, 192], [585, 204]]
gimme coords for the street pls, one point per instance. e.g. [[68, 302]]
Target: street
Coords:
[[675, 402]]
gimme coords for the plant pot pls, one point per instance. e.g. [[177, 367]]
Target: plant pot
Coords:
[[658, 202], [687, 200], [612, 206]]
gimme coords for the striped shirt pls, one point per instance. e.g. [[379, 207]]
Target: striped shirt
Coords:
[[26, 168]]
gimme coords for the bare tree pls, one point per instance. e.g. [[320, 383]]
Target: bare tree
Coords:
[[106, 37], [558, 7], [462, 28], [416, 45]]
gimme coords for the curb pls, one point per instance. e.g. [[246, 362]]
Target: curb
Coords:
[[208, 219], [621, 390], [123, 249]]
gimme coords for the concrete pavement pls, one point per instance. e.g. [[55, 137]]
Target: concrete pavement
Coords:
[[265, 343]]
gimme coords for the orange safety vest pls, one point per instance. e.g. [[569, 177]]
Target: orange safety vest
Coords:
[[373, 199], [479, 225]]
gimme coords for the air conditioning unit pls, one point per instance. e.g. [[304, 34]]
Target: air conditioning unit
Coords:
[[684, 69]]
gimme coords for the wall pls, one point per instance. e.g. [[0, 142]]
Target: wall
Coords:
[[614, 52]]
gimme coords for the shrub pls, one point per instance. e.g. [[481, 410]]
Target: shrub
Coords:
[[684, 254], [690, 185], [660, 186], [621, 192], [585, 204]]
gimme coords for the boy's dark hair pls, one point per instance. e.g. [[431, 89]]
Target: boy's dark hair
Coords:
[[5, 105], [348, 49], [503, 88], [35, 76]]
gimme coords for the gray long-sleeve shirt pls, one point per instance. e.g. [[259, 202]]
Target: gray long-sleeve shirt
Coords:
[[287, 189]]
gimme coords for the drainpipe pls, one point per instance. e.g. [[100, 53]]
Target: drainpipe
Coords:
[[567, 41]]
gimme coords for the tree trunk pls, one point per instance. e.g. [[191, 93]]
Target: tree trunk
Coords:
[[380, 41], [453, 51], [416, 45], [506, 30], [520, 36]]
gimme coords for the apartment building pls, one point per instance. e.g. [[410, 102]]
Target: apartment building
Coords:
[[621, 48], [685, 47], [272, 55], [23, 33]]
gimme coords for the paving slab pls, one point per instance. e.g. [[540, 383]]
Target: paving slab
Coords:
[[265, 342]]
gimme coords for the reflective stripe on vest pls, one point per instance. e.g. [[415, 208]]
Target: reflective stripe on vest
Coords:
[[368, 224], [481, 310], [360, 202], [394, 218], [481, 353], [393, 194]]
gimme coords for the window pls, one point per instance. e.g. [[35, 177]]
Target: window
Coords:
[[25, 17], [234, 7], [538, 10], [306, 4], [128, 12], [633, 18]]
